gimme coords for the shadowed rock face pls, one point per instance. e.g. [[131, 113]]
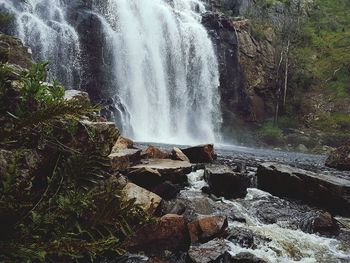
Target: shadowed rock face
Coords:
[[326, 191]]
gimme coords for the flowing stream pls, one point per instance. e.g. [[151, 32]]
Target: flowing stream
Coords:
[[163, 71]]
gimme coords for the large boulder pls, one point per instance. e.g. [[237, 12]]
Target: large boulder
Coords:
[[123, 159], [173, 171], [207, 227], [169, 233], [148, 201], [323, 190], [223, 181], [200, 154], [340, 158]]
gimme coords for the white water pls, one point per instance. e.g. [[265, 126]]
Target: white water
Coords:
[[286, 245], [42, 26], [165, 71]]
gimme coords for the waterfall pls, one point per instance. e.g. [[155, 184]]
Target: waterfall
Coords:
[[42, 25], [164, 72]]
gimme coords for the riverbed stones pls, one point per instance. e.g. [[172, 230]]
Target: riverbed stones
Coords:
[[168, 233], [223, 181], [206, 228], [323, 190], [325, 224], [200, 154], [124, 158], [340, 158], [170, 170], [148, 201], [177, 154]]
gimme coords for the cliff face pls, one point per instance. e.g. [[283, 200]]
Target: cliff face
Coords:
[[247, 68]]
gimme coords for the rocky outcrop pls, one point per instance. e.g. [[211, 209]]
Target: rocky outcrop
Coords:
[[152, 152], [340, 158], [177, 154], [78, 95], [123, 143], [200, 154], [13, 51], [247, 67], [223, 181], [326, 191]]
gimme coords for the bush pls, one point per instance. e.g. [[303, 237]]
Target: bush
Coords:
[[270, 134]]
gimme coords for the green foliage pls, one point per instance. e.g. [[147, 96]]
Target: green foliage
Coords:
[[58, 200], [332, 122], [270, 134], [5, 19]]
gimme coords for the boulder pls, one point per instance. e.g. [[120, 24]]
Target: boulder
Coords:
[[166, 190], [78, 95], [13, 51], [200, 154], [210, 251], [177, 154], [340, 158], [223, 181], [169, 233], [122, 143], [152, 152], [148, 201], [123, 159], [246, 257], [327, 191], [325, 224], [145, 177], [173, 171], [206, 228]]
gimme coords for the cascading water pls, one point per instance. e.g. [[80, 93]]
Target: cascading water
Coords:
[[42, 25], [162, 68], [166, 70]]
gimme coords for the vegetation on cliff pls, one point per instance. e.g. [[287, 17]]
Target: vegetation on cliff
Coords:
[[58, 199]]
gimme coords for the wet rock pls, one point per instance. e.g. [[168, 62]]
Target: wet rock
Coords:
[[246, 258], [200, 154], [122, 143], [145, 177], [223, 181], [177, 154], [209, 252], [148, 201], [166, 190], [206, 228], [78, 95], [340, 158], [125, 158], [325, 224], [242, 237], [169, 233], [326, 191], [173, 171], [152, 152]]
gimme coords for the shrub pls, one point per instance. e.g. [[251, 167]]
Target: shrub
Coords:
[[270, 134]]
